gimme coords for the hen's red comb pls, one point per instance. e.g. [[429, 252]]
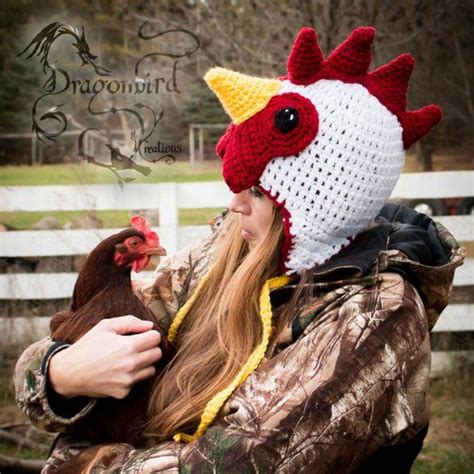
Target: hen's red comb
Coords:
[[141, 224]]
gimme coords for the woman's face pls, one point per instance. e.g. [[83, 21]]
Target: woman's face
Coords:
[[256, 214]]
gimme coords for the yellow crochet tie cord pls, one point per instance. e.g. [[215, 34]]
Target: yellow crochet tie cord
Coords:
[[215, 404]]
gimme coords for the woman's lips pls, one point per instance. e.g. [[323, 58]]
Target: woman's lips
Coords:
[[246, 234]]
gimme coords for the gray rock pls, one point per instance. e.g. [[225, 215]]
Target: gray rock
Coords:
[[87, 221], [46, 223], [54, 264], [78, 262]]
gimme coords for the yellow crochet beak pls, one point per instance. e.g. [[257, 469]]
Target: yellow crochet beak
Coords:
[[242, 96]]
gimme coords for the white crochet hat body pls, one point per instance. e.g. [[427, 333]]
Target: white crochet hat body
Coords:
[[334, 188], [326, 142]]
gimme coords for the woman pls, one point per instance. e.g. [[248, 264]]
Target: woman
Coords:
[[302, 323]]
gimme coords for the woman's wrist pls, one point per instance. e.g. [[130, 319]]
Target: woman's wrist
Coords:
[[59, 377]]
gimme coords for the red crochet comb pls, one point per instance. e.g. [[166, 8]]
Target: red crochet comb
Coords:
[[349, 62], [141, 224]]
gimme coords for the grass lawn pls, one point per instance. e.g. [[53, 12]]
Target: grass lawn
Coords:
[[110, 219], [69, 174], [180, 171], [448, 447]]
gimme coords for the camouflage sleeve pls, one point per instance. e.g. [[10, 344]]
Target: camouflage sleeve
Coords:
[[353, 381], [34, 395], [164, 293]]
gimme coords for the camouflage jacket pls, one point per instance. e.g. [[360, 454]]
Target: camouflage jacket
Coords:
[[345, 385]]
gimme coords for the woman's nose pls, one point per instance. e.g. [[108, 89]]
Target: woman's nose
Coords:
[[239, 204]]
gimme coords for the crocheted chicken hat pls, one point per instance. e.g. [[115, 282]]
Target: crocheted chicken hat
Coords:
[[326, 142]]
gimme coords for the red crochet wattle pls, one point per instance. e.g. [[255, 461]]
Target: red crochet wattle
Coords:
[[246, 149]]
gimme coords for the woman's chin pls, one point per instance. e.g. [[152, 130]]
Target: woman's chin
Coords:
[[252, 244]]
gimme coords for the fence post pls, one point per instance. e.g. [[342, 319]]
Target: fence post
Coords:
[[191, 144], [201, 144], [34, 146], [168, 209], [40, 153]]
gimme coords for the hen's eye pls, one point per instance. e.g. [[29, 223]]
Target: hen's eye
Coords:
[[286, 119], [134, 243]]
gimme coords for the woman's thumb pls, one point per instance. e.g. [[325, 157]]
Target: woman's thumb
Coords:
[[129, 324]]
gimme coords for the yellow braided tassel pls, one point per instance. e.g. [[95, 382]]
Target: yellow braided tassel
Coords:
[[215, 404], [183, 311]]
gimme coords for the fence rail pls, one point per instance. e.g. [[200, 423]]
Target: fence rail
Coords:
[[168, 199], [37, 286]]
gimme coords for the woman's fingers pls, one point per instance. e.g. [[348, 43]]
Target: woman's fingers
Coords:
[[143, 337], [138, 368], [127, 324], [115, 354], [144, 341], [148, 358], [145, 373]]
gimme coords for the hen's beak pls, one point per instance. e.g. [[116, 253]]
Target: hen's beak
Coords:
[[156, 251]]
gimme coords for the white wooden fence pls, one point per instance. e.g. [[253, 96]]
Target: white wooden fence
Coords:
[[168, 198]]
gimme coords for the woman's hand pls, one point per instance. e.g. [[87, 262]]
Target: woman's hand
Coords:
[[106, 362]]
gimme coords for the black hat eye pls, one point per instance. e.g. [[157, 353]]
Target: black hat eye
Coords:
[[286, 119]]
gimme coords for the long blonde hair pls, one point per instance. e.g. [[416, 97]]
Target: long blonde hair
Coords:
[[220, 331]]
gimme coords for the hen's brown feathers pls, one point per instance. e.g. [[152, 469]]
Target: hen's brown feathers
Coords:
[[103, 290]]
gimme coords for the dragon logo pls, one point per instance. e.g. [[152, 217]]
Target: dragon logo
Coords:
[[52, 123]]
